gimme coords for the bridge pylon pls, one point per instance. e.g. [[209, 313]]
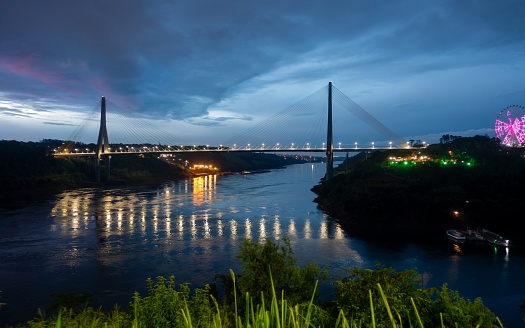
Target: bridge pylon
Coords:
[[329, 138], [102, 143]]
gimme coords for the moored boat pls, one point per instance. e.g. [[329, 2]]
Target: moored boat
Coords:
[[474, 235], [494, 238], [456, 234]]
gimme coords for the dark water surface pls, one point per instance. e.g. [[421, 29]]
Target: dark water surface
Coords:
[[109, 241]]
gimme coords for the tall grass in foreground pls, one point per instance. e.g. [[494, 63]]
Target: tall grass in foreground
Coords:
[[166, 307], [272, 291]]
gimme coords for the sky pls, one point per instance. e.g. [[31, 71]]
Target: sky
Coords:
[[210, 69]]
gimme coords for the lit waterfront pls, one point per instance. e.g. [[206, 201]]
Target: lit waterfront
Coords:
[[132, 215]]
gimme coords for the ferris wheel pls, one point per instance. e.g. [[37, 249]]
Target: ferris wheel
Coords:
[[510, 126]]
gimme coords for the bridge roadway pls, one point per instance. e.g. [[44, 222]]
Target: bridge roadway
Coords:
[[173, 150]]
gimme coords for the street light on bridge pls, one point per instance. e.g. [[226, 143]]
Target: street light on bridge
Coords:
[[390, 144], [339, 145], [356, 145], [372, 145]]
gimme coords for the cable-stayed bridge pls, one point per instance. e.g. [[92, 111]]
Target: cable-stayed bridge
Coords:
[[305, 127]]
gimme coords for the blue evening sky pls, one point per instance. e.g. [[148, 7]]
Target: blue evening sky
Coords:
[[210, 69]]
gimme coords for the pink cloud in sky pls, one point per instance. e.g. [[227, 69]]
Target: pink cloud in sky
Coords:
[[27, 66], [122, 101], [31, 67]]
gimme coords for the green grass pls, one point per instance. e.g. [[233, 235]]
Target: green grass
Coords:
[[167, 307], [283, 296]]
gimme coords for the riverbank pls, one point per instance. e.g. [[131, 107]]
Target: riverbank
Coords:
[[465, 183], [30, 173]]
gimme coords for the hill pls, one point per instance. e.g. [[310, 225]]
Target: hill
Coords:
[[463, 181]]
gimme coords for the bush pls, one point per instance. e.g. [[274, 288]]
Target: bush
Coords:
[[274, 292], [275, 260]]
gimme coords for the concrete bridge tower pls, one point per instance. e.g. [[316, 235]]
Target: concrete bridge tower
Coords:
[[329, 138], [102, 143]]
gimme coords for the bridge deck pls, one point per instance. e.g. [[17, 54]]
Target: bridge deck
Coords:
[[228, 150]]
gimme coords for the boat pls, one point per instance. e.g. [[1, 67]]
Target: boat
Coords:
[[494, 238], [255, 172], [474, 235], [456, 234]]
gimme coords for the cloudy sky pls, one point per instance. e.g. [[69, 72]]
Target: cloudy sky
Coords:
[[209, 69]]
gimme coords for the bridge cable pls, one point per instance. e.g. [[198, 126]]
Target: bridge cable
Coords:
[[277, 128], [366, 117], [79, 132], [140, 131]]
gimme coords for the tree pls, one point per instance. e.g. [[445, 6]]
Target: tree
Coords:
[[259, 261]]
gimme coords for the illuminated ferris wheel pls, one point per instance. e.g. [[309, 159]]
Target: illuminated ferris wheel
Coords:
[[510, 126]]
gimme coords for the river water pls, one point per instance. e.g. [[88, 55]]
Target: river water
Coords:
[[109, 241]]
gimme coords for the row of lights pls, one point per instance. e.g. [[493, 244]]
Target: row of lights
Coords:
[[277, 146]]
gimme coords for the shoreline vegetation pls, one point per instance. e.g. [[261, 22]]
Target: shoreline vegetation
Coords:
[[273, 291], [459, 183], [29, 172]]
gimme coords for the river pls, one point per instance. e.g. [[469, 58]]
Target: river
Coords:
[[109, 241]]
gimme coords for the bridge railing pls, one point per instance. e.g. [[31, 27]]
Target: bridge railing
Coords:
[[202, 149]]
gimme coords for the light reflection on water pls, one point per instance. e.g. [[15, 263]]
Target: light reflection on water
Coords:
[[133, 223], [195, 221], [152, 214]]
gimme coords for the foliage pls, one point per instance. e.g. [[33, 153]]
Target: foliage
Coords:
[[458, 311], [377, 297], [372, 191], [87, 317], [29, 172], [236, 162], [165, 305], [273, 259], [399, 288], [410, 302]]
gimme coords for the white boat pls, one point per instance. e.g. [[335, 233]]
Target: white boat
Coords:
[[474, 235], [494, 238], [456, 234]]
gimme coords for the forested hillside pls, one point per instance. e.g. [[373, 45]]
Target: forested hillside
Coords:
[[29, 171], [462, 181]]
